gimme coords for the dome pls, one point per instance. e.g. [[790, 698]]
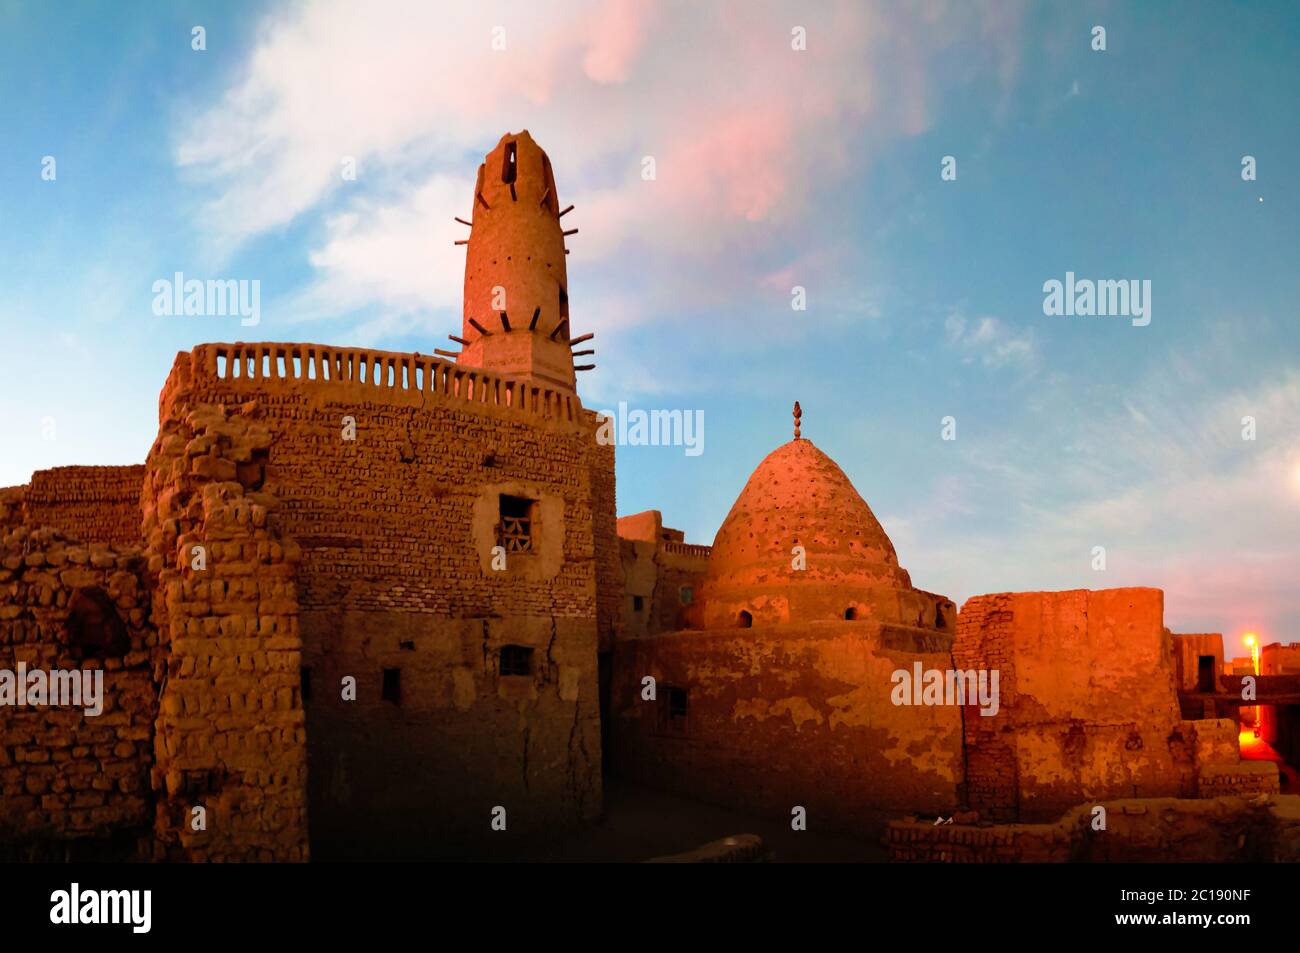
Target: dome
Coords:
[[799, 497]]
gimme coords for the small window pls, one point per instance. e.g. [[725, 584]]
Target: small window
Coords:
[[672, 711], [638, 603], [851, 613], [518, 523], [509, 164], [745, 620], [516, 660], [685, 595], [392, 691], [304, 679]]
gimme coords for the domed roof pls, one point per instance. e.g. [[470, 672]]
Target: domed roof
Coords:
[[798, 497]]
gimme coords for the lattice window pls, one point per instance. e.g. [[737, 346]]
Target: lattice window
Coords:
[[517, 528]]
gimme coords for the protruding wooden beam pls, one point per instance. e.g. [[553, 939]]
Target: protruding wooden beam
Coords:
[[505, 322], [462, 221], [566, 251], [584, 367], [537, 313], [439, 351], [586, 337], [545, 195], [478, 327], [590, 350], [565, 212], [482, 201], [513, 196], [458, 340], [562, 326], [461, 241], [571, 231]]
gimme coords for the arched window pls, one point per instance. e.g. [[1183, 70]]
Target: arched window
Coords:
[[745, 620], [851, 613]]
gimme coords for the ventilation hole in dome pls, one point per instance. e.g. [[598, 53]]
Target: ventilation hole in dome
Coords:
[[745, 620], [850, 613]]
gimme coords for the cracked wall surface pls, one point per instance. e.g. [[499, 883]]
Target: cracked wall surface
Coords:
[[396, 530], [792, 715]]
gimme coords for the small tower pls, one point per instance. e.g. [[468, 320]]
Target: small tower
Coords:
[[516, 319]]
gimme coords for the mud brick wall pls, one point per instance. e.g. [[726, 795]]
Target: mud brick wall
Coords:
[[67, 775], [12, 510], [396, 529], [798, 714], [90, 504], [1088, 702], [1244, 779], [1145, 830], [231, 729], [609, 571]]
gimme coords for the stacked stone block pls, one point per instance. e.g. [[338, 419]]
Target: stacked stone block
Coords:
[[66, 775], [231, 735]]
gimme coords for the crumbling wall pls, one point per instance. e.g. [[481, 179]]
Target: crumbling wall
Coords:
[[1156, 830], [69, 774], [230, 736], [1088, 709], [799, 715], [389, 471]]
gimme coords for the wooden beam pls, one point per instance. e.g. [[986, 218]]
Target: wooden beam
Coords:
[[478, 327], [461, 242], [462, 221], [584, 367], [505, 322], [457, 340], [571, 231], [537, 313], [565, 212], [440, 351], [482, 200], [586, 337], [562, 326], [590, 350]]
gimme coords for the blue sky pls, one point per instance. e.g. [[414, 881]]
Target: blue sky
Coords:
[[775, 168]]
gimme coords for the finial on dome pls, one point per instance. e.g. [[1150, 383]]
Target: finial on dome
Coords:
[[798, 412]]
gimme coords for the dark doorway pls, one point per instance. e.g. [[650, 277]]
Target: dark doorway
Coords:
[[1205, 674]]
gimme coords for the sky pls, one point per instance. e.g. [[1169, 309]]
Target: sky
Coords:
[[775, 167]]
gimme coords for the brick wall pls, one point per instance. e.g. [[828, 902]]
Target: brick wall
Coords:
[[230, 735], [396, 529], [1088, 702], [1219, 830], [91, 504], [791, 715], [67, 775]]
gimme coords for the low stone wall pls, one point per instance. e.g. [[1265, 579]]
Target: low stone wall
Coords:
[[1244, 779], [67, 773], [1210, 830]]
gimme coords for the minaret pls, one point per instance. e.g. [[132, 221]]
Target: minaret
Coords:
[[516, 320]]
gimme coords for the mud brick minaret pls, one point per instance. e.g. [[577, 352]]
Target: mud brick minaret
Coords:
[[516, 320]]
